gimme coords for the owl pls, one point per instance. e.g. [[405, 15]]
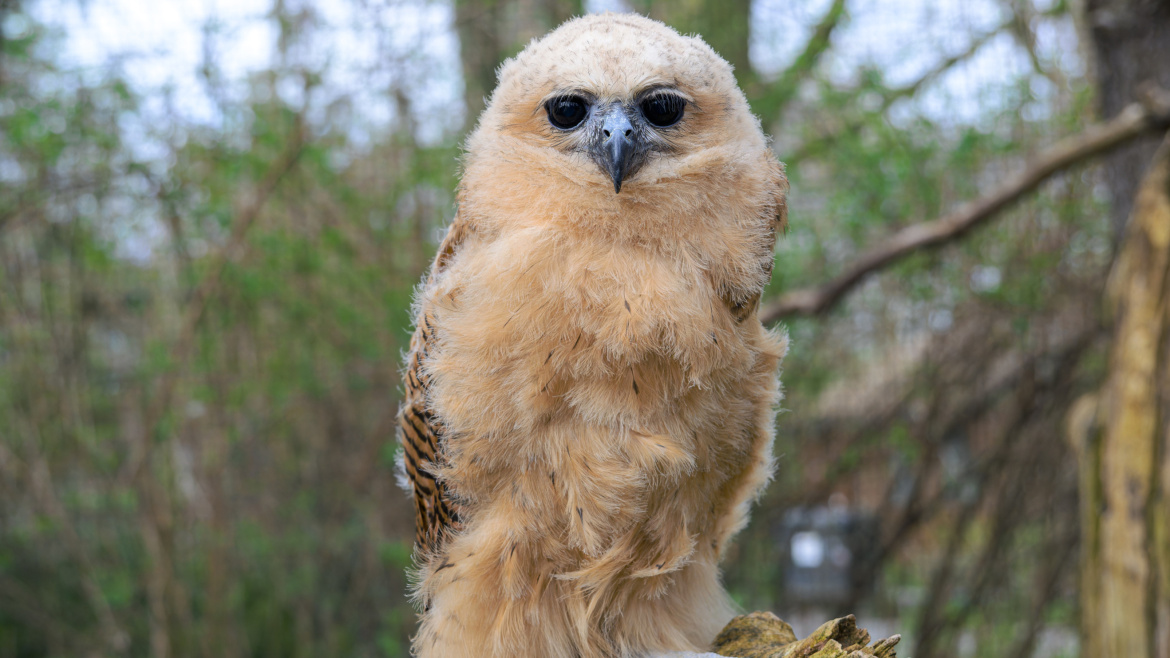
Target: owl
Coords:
[[590, 394]]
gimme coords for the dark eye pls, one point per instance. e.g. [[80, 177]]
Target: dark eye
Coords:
[[567, 112], [663, 110]]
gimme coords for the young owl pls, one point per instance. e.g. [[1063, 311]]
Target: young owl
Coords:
[[590, 394]]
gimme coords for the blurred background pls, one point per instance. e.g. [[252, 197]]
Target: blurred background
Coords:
[[213, 214]]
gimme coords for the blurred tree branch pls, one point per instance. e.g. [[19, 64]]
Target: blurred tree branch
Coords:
[[491, 31], [1138, 119], [892, 96], [771, 101], [1062, 545], [41, 485], [208, 288], [724, 24], [1020, 24]]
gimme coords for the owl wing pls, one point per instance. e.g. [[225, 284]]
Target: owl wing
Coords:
[[777, 208], [421, 434]]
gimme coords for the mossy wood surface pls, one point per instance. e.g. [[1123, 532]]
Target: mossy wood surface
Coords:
[[763, 635]]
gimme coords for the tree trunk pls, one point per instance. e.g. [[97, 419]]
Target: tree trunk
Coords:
[[1122, 438], [1131, 40], [490, 31], [724, 24], [1125, 464]]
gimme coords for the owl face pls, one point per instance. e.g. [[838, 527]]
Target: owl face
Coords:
[[619, 103], [617, 134]]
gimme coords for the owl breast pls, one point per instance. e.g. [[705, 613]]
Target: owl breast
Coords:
[[580, 385]]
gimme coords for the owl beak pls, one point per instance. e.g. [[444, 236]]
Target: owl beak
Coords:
[[617, 146]]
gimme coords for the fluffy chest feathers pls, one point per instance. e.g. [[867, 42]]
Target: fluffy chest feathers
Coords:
[[536, 324], [579, 382]]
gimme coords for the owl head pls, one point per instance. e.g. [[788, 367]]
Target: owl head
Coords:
[[613, 111]]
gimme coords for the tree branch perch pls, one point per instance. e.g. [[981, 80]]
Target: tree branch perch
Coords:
[[1153, 113]]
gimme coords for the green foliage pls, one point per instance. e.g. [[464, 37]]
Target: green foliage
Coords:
[[265, 520], [252, 527]]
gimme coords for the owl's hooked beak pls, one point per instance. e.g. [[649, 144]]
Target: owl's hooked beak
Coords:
[[618, 145]]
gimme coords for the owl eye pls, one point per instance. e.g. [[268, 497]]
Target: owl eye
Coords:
[[567, 112], [663, 110]]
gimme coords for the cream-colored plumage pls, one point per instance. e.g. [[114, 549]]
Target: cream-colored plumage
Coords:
[[590, 390]]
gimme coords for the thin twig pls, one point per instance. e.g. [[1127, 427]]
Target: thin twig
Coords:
[[779, 93], [1137, 119], [208, 288], [41, 485], [1064, 547], [815, 144]]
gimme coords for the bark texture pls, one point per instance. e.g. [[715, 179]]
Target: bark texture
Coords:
[[1131, 41], [1121, 437]]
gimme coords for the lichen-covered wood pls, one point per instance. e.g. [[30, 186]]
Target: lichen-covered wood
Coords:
[[763, 635], [1120, 437]]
